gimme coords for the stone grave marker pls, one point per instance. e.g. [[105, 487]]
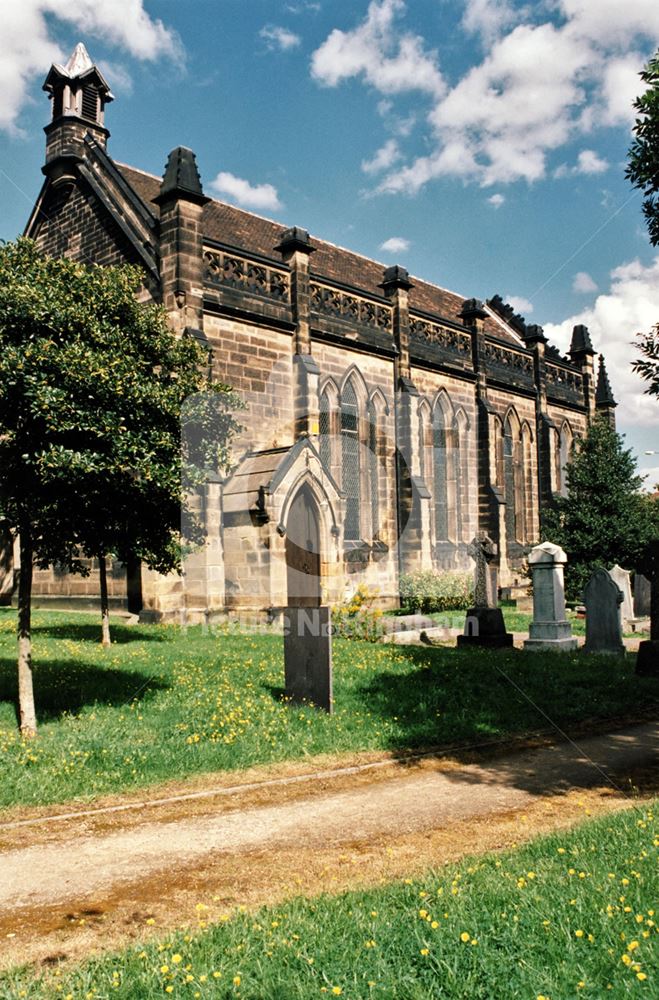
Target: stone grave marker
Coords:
[[621, 577], [642, 593], [550, 628], [484, 624], [647, 661], [603, 598], [308, 656]]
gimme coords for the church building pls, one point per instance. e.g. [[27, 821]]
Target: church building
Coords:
[[387, 420]]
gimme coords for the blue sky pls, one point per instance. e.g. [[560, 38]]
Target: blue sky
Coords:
[[479, 143]]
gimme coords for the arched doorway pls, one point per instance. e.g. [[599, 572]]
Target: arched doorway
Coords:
[[303, 551]]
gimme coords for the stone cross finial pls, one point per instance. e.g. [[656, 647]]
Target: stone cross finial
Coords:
[[483, 551]]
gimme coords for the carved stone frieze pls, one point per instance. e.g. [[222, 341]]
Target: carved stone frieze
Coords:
[[563, 379], [338, 304], [224, 268], [433, 333], [503, 358]]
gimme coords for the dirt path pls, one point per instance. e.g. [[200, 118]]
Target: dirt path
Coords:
[[73, 885]]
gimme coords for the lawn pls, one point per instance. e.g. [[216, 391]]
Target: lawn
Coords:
[[163, 703], [567, 916]]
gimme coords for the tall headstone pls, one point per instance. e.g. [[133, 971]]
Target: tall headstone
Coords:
[[550, 628], [621, 577], [308, 656], [484, 624], [647, 661], [642, 596], [603, 598]]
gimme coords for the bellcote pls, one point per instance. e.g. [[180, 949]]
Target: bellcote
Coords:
[[78, 89], [79, 93]]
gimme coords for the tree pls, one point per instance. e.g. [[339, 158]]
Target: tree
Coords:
[[604, 519], [92, 384], [643, 167], [643, 172]]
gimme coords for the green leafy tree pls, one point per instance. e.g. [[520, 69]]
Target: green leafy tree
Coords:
[[643, 166], [643, 172], [92, 462], [604, 519]]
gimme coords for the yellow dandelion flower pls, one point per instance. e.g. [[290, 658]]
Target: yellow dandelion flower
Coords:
[[177, 959], [632, 946], [465, 936], [236, 980], [641, 976], [425, 951], [164, 969], [626, 960], [337, 991]]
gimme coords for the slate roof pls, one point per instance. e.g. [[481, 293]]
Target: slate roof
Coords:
[[252, 233]]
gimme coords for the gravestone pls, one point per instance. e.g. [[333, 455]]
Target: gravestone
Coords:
[[647, 661], [642, 593], [550, 628], [620, 577], [484, 624], [603, 598], [308, 656]]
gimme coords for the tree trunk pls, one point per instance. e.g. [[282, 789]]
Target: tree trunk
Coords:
[[26, 710], [105, 611]]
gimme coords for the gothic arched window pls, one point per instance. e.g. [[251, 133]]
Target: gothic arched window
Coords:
[[351, 475], [514, 480], [440, 450], [461, 471], [566, 440]]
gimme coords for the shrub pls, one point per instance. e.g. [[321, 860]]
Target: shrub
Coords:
[[356, 618], [427, 591]]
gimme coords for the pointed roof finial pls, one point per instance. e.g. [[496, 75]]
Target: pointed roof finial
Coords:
[[181, 178], [79, 61], [603, 394], [580, 341], [80, 68]]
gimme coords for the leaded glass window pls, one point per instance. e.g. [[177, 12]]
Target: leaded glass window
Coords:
[[374, 470], [324, 431], [350, 460], [440, 479]]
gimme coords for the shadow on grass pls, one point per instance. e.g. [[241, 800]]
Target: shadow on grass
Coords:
[[63, 686], [92, 632], [464, 702]]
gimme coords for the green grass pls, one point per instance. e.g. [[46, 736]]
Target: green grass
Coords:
[[163, 704], [567, 916]]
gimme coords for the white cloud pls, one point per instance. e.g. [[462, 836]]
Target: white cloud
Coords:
[[384, 158], [28, 45], [651, 477], [263, 196], [540, 85], [395, 244], [520, 305], [487, 18], [496, 200], [391, 60], [620, 86], [279, 38], [588, 162], [583, 283], [630, 306]]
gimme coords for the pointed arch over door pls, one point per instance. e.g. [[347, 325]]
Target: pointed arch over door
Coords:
[[303, 551]]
